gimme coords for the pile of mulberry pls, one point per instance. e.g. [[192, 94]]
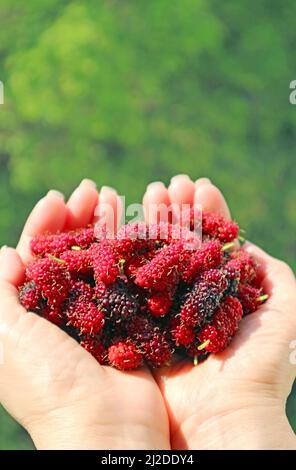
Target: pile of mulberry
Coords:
[[148, 293]]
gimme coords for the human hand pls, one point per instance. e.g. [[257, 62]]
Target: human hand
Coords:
[[49, 383], [235, 399]]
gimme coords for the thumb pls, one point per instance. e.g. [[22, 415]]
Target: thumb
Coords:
[[11, 275]]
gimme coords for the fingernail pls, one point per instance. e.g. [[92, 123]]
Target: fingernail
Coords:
[[88, 182], [155, 184], [202, 181], [177, 178], [54, 192], [108, 188]]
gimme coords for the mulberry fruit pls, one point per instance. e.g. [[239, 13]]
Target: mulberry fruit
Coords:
[[157, 350], [104, 262], [250, 298], [82, 312], [204, 298], [209, 256], [55, 244], [30, 295], [155, 273], [52, 278], [160, 303], [116, 301], [183, 335], [124, 356], [216, 336], [77, 260]]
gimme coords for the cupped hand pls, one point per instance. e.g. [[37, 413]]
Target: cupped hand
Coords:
[[235, 399], [51, 385]]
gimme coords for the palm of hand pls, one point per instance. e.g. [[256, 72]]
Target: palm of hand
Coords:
[[48, 380], [225, 384], [248, 378], [57, 377]]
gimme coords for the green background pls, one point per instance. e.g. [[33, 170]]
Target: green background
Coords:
[[128, 91]]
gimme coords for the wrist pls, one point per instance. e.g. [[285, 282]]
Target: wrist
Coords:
[[69, 431], [255, 427]]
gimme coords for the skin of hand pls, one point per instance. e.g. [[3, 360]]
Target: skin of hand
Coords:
[[48, 383], [235, 399]]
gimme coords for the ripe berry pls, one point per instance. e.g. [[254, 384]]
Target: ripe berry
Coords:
[[208, 256], [216, 226], [117, 301], [183, 335], [249, 297], [243, 262], [51, 277], [104, 262], [77, 260], [226, 319], [55, 244], [213, 225], [124, 355], [154, 274], [160, 303], [81, 310], [30, 295], [132, 239], [141, 329], [203, 299], [53, 314], [233, 277], [157, 351]]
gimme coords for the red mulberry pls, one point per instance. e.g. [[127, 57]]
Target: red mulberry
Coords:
[[30, 296], [77, 260], [124, 355], [226, 319], [51, 277], [104, 262], [183, 335], [208, 256], [155, 273], [157, 351], [55, 244], [81, 310], [204, 298], [250, 298]]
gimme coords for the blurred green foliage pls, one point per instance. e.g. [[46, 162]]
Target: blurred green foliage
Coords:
[[131, 91]]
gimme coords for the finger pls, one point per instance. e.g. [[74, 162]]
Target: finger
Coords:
[[81, 205], [181, 190], [11, 276], [278, 277], [211, 199], [156, 202], [108, 211], [201, 181], [49, 215], [11, 266]]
